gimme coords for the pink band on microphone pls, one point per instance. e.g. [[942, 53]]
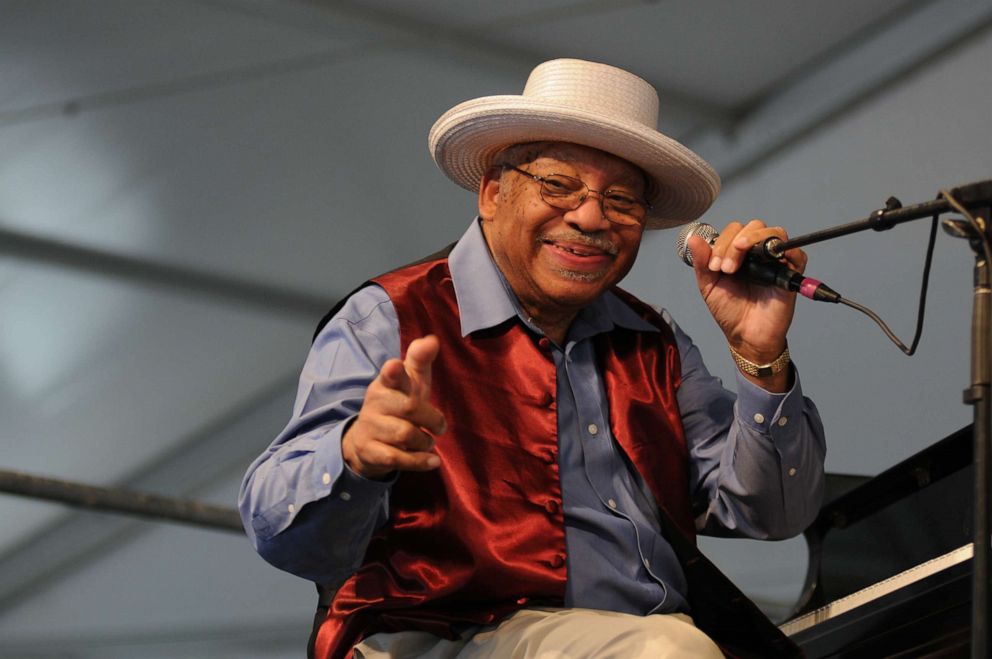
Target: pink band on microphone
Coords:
[[809, 286]]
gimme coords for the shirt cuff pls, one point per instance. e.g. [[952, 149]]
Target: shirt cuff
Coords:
[[326, 479], [338, 480], [355, 487], [764, 411]]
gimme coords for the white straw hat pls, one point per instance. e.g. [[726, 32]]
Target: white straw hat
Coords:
[[596, 105]]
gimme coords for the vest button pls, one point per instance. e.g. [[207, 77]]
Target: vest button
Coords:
[[544, 343], [558, 560], [552, 506], [547, 399]]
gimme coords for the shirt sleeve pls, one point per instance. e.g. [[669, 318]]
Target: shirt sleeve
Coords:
[[303, 509], [756, 459]]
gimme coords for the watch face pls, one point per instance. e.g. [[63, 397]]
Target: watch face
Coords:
[[762, 370]]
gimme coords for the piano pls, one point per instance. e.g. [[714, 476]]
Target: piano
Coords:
[[890, 562]]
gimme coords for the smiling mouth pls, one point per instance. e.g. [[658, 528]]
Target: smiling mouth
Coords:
[[578, 262], [582, 246], [577, 250]]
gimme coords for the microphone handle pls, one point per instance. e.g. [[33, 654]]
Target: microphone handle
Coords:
[[771, 273], [761, 265]]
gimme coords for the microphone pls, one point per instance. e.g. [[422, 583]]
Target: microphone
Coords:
[[758, 266]]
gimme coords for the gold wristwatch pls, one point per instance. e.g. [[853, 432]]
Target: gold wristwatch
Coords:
[[762, 370]]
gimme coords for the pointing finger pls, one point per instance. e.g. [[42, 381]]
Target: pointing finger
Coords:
[[394, 376], [420, 354]]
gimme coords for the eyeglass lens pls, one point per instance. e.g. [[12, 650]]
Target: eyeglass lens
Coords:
[[568, 193]]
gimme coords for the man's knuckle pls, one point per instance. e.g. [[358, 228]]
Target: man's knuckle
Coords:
[[387, 459], [397, 435], [408, 408]]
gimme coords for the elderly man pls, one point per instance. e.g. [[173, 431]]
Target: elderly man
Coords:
[[495, 452]]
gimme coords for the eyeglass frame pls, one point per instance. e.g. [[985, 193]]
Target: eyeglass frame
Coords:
[[602, 196]]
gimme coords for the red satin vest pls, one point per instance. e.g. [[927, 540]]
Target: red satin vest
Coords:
[[483, 535]]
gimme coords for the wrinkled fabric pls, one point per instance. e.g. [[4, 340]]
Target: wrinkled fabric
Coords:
[[484, 535]]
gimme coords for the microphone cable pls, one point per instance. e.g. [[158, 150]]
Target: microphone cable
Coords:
[[922, 306], [979, 233]]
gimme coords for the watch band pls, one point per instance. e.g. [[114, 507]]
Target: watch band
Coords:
[[762, 370]]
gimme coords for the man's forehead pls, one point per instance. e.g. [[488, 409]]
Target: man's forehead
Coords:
[[579, 154]]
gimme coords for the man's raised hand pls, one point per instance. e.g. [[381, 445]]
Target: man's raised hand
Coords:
[[391, 431], [754, 318]]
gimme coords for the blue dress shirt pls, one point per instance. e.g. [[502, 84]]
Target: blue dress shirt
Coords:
[[756, 460]]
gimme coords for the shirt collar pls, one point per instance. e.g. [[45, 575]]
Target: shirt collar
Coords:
[[485, 299]]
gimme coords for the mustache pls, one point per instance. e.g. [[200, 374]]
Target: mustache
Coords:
[[604, 244]]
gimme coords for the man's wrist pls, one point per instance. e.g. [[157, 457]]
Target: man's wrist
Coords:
[[758, 370]]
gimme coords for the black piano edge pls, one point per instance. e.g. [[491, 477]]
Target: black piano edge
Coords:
[[904, 479], [927, 618]]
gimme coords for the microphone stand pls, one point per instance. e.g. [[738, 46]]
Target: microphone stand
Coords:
[[977, 395], [977, 197]]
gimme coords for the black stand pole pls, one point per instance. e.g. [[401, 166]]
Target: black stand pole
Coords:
[[978, 395], [974, 195]]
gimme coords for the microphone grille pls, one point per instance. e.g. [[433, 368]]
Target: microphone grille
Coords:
[[706, 231]]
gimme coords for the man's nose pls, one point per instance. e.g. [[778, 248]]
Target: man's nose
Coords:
[[588, 217]]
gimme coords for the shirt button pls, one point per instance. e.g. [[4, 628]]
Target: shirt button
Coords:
[[593, 429], [291, 508], [759, 417], [792, 471], [782, 420], [558, 560], [612, 504], [552, 506], [345, 496], [544, 343], [326, 479]]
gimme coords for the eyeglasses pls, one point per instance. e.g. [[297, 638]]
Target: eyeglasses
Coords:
[[568, 193]]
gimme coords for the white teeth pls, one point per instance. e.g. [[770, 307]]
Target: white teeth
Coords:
[[577, 251]]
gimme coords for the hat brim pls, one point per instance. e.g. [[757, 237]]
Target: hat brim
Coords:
[[465, 139]]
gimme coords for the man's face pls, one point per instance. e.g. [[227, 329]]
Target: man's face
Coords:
[[558, 261]]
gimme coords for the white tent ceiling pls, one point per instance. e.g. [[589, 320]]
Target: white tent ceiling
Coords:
[[186, 185]]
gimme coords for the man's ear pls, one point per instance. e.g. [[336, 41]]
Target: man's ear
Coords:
[[489, 193]]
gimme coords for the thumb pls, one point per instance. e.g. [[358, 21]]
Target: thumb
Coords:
[[701, 253]]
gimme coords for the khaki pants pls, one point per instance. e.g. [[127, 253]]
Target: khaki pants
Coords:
[[555, 634]]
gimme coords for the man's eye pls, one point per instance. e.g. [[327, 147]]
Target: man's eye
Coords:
[[620, 200], [561, 185]]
